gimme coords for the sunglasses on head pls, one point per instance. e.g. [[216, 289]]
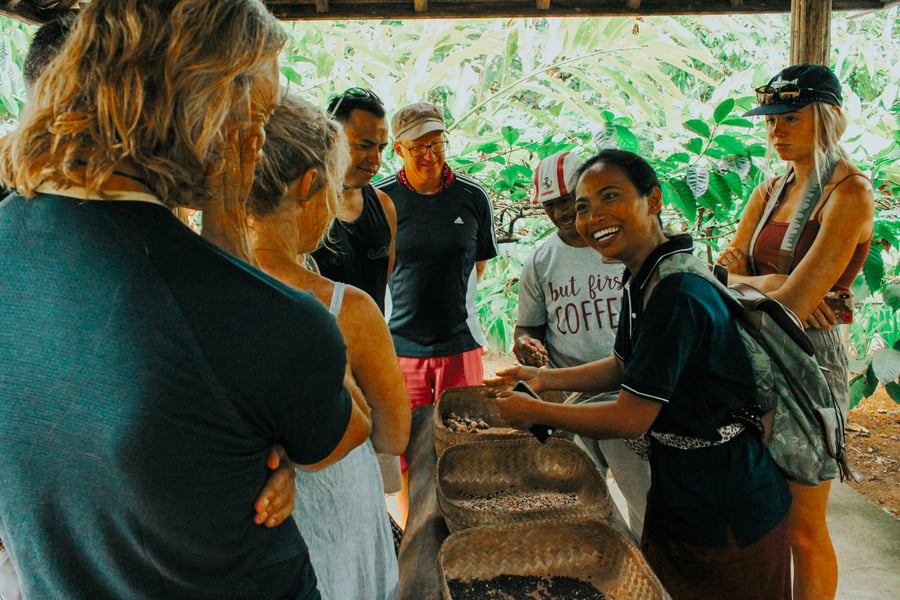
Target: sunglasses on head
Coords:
[[357, 93], [789, 94]]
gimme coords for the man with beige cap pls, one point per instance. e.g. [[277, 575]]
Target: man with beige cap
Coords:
[[445, 236]]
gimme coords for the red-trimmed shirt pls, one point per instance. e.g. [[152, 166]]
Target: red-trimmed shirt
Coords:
[[447, 178]]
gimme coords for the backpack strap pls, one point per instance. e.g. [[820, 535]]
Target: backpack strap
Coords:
[[745, 301]]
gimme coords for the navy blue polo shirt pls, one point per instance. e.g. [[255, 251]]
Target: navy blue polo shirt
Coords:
[[683, 349]]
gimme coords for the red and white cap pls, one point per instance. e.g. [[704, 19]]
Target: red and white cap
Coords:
[[554, 176]]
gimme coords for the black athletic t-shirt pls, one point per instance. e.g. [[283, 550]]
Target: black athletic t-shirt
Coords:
[[440, 237]]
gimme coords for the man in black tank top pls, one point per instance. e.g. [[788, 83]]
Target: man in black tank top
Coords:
[[359, 249]]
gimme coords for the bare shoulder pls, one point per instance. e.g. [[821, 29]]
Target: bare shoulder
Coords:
[[386, 203], [357, 300], [853, 184], [851, 204], [359, 314], [851, 195]]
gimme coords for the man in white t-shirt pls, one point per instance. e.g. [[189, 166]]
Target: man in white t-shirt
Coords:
[[569, 302]]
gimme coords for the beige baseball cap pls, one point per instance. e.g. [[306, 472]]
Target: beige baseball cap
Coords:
[[413, 121]]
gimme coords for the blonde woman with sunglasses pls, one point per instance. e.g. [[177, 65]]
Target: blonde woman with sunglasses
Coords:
[[804, 123]]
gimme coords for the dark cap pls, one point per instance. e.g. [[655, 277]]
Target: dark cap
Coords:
[[413, 121], [795, 87]]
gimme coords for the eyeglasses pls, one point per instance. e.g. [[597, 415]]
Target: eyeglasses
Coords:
[[438, 147], [357, 93], [789, 94]]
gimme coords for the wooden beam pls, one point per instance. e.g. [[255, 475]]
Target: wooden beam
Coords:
[[449, 9], [811, 32], [321, 6], [633, 4]]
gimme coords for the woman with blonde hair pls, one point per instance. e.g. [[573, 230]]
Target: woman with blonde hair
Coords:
[[341, 510], [804, 123], [142, 387]]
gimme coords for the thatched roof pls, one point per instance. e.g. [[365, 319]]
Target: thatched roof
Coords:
[[39, 11]]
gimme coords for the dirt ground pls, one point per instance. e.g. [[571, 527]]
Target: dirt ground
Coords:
[[873, 444], [873, 450]]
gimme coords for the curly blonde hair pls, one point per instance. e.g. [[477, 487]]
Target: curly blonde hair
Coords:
[[299, 136], [150, 83]]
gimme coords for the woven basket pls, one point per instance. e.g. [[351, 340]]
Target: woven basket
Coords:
[[587, 550], [466, 472], [468, 402]]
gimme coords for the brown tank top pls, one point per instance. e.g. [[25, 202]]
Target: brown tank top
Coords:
[[765, 252]]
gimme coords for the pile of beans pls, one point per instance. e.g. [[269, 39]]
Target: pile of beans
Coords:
[[517, 500], [465, 424], [524, 587]]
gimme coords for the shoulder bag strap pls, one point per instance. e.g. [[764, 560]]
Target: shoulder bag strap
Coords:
[[812, 191], [771, 202]]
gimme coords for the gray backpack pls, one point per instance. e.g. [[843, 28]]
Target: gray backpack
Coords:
[[804, 427]]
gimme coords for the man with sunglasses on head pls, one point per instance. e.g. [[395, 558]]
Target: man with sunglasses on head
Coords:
[[445, 236], [360, 249]]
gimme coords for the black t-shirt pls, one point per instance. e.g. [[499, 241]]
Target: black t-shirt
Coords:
[[145, 376], [357, 252], [440, 237]]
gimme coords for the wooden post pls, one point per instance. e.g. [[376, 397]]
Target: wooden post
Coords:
[[811, 32]]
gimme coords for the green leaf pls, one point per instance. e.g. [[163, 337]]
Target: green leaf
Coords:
[[733, 180], [857, 389], [721, 190], [489, 148], [873, 268], [886, 365], [871, 381], [708, 200], [626, 139], [681, 197], [510, 134], [730, 144], [699, 127], [723, 110], [695, 146], [756, 150], [886, 230], [891, 295], [738, 122], [893, 390], [682, 157]]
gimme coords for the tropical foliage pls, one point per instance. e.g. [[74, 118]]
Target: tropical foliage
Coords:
[[671, 89]]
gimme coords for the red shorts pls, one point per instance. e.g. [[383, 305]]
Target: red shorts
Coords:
[[427, 378]]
